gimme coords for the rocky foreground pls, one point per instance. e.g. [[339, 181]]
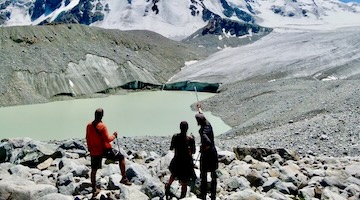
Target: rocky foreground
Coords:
[[60, 170]]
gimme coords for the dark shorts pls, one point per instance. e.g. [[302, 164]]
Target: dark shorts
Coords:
[[112, 154]]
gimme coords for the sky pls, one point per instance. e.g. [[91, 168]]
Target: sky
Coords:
[[350, 1]]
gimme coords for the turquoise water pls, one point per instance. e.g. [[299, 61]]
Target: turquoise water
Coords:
[[155, 113]]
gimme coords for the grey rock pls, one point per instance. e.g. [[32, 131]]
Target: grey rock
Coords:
[[130, 193], [291, 173], [114, 182], [56, 196], [226, 157], [245, 195], [307, 192], [330, 195], [353, 180], [21, 171], [276, 195], [235, 183], [352, 190], [138, 173], [291, 187], [260, 153], [35, 152], [353, 170], [65, 184], [83, 188], [270, 184], [69, 165], [19, 189], [5, 151], [255, 178], [333, 181], [153, 188]]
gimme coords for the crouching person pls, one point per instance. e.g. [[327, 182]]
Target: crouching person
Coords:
[[98, 142]]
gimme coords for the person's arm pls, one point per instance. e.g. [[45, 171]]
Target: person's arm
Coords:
[[88, 137], [172, 144], [106, 136]]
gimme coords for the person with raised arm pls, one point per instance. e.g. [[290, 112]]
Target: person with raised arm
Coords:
[[209, 157]]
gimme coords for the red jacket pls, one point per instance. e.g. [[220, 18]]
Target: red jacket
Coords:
[[96, 142]]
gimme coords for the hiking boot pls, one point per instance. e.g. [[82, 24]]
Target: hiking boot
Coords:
[[125, 181]]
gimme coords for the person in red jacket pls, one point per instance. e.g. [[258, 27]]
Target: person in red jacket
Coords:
[[98, 142]]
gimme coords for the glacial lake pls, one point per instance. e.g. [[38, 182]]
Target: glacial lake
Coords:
[[150, 113]]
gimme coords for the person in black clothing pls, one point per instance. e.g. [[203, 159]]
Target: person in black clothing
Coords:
[[181, 166], [209, 157]]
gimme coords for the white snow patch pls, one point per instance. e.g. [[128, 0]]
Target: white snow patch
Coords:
[[71, 83]]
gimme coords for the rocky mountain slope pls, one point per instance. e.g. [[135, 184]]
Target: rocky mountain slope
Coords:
[[293, 89], [42, 62]]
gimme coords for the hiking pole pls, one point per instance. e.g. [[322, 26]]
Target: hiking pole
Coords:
[[117, 141], [197, 98], [197, 158]]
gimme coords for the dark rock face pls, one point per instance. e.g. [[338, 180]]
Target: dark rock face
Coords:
[[38, 9], [82, 13], [217, 24]]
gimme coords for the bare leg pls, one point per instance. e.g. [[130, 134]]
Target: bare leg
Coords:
[[171, 179], [122, 167], [93, 181], [167, 186], [124, 179]]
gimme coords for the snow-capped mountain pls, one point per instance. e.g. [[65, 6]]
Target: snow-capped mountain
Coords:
[[180, 18]]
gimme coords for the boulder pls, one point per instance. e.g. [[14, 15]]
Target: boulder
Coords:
[[152, 187], [261, 153], [246, 194], [255, 178], [83, 188], [5, 151], [235, 183], [20, 189], [131, 193], [138, 173], [114, 182], [331, 195], [66, 184], [36, 152], [70, 165], [270, 184], [56, 196], [21, 171], [276, 195], [353, 170], [226, 157]]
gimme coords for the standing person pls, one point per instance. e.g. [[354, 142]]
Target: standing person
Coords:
[[181, 166], [209, 157], [98, 142]]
